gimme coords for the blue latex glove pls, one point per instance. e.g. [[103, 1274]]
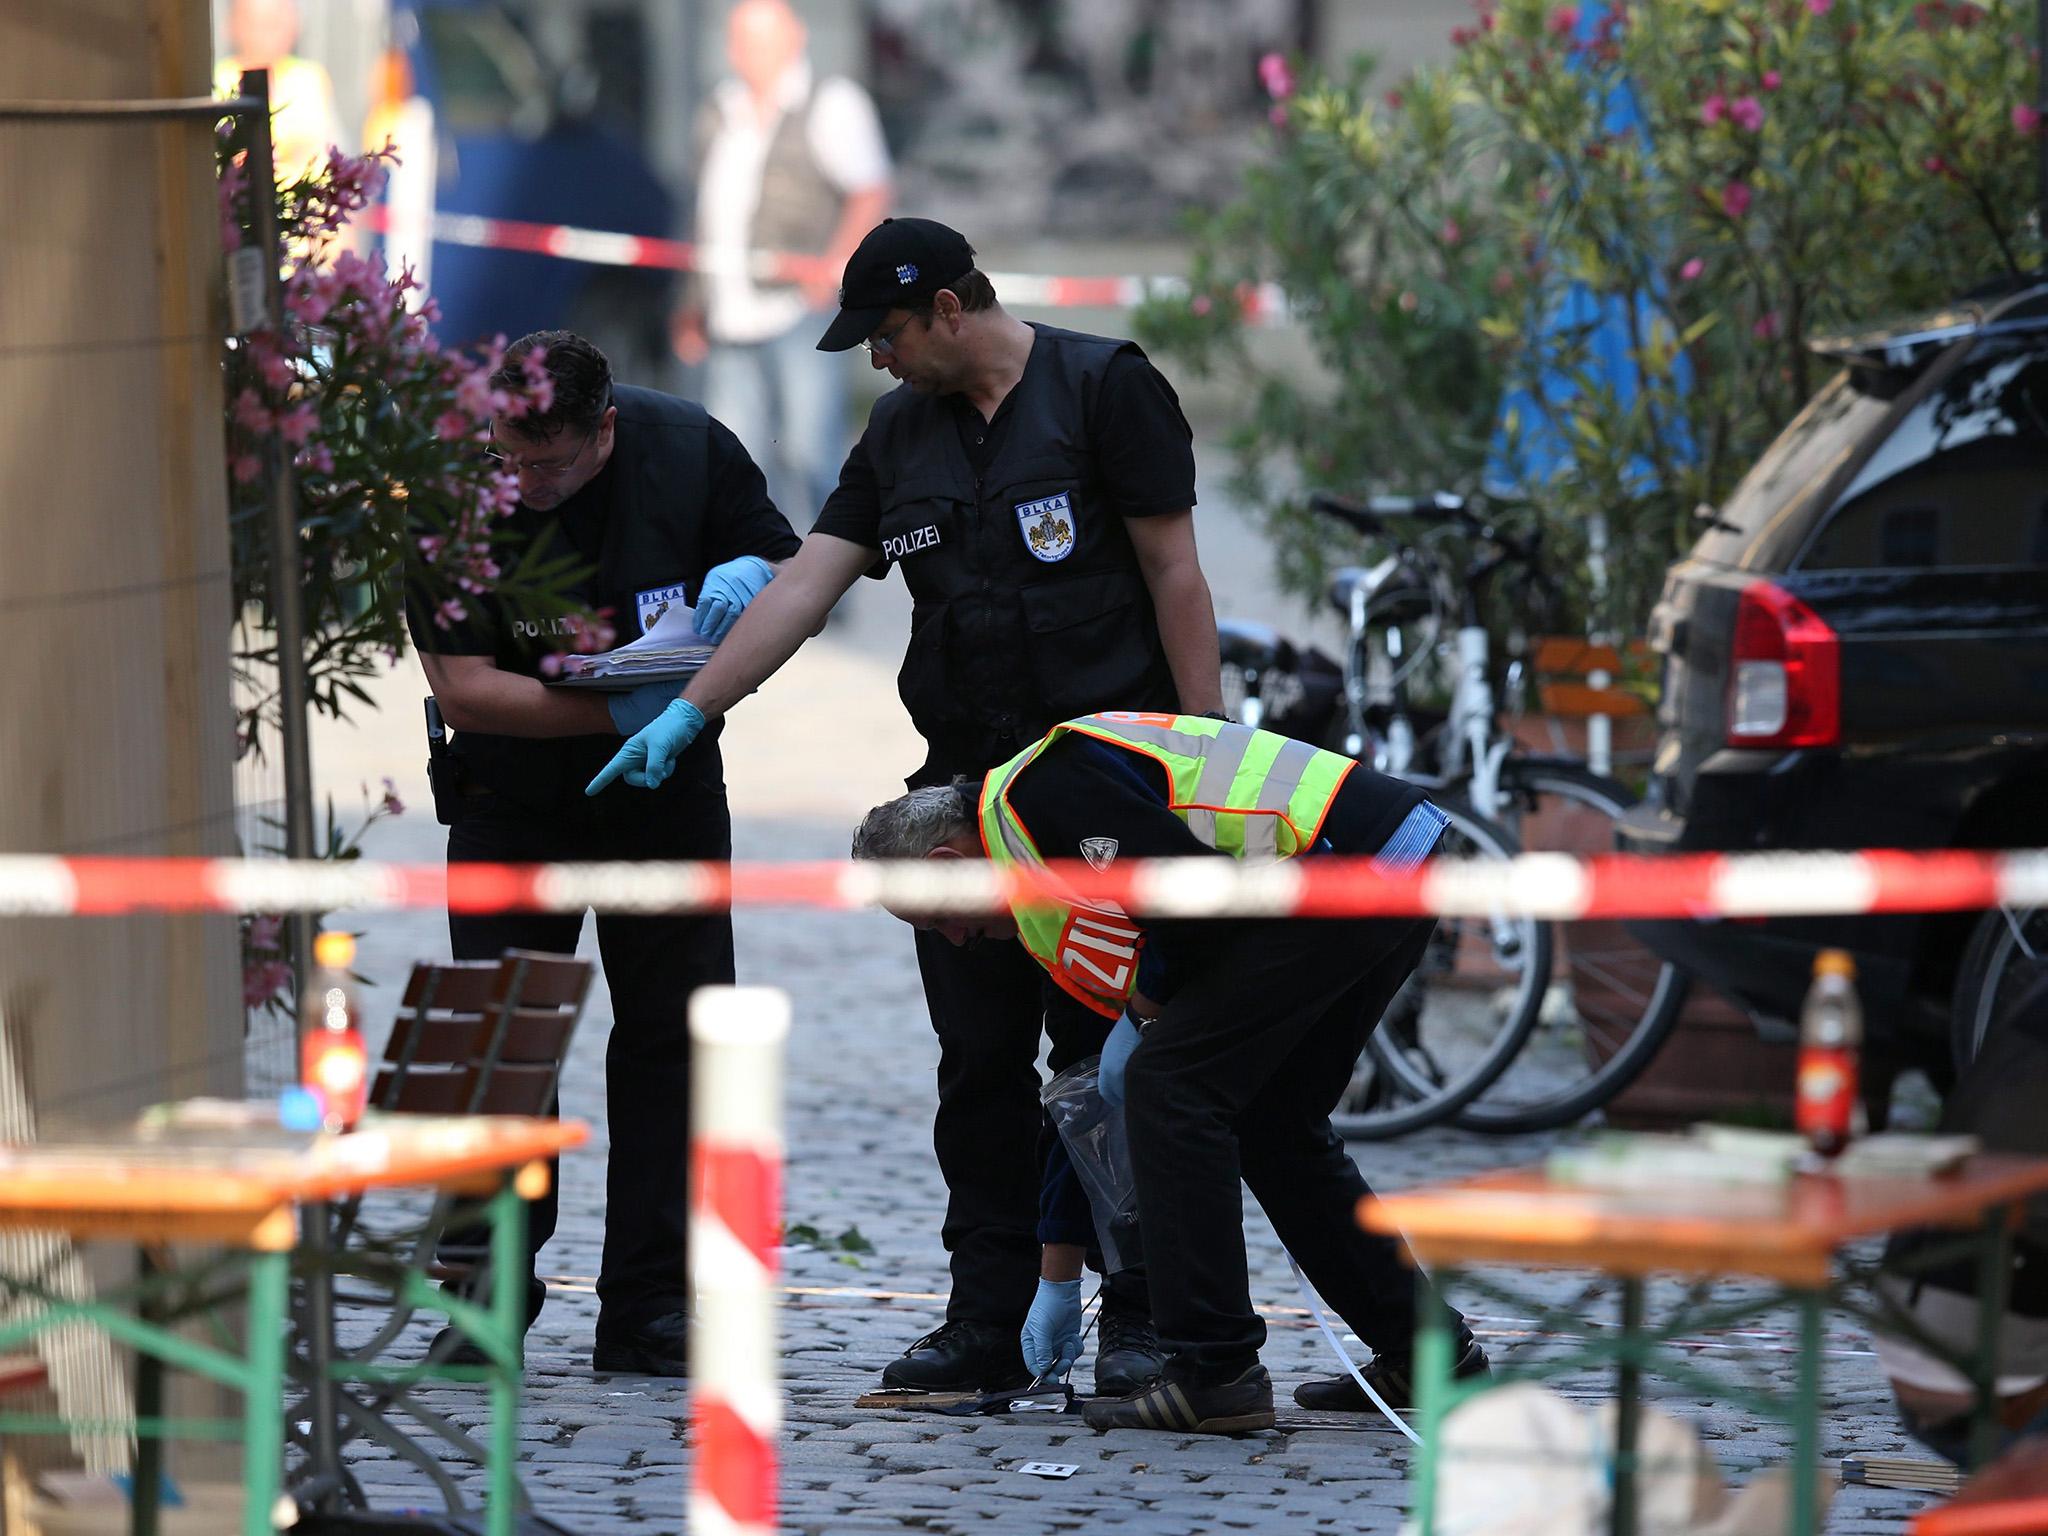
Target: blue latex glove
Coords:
[[1051, 1337], [650, 757], [727, 590], [1116, 1053], [633, 712]]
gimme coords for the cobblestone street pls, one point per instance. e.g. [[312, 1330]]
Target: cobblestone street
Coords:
[[611, 1454]]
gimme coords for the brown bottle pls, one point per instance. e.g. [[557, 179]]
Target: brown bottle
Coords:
[[1830, 1040]]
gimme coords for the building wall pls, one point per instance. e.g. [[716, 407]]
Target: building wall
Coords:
[[115, 730]]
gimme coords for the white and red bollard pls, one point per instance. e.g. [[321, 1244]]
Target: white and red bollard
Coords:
[[737, 1035]]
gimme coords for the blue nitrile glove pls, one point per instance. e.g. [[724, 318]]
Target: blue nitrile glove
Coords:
[[1051, 1337], [650, 757], [1116, 1054], [633, 712], [727, 590]]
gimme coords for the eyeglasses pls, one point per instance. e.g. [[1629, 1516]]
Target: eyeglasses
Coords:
[[884, 344], [547, 469]]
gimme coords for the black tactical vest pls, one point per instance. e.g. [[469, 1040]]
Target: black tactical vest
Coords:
[[643, 526], [1029, 605]]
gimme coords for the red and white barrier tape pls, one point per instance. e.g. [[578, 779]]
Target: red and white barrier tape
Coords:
[[738, 1035], [606, 248], [1553, 886]]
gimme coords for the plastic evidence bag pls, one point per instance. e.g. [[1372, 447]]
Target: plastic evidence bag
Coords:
[[1093, 1132]]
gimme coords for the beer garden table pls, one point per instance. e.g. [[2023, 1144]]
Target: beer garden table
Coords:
[[1790, 1235], [218, 1176]]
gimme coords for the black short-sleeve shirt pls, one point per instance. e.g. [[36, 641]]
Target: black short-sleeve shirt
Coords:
[[1144, 448], [678, 495]]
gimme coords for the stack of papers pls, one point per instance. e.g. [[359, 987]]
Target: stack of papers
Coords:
[[671, 652]]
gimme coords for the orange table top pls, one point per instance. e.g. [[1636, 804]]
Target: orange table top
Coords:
[[1783, 1232], [217, 1180]]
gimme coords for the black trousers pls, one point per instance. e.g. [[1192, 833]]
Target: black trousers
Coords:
[[651, 966], [1237, 1080], [990, 1002]]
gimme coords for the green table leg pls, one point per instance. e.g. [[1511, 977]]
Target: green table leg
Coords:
[[1994, 1270], [1628, 1408], [1432, 1389], [508, 1317], [1806, 1414], [263, 1401], [148, 1469]]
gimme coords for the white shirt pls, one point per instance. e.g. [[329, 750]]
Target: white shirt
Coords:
[[845, 139]]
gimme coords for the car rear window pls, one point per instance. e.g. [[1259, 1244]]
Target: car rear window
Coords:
[[1961, 482], [1792, 470]]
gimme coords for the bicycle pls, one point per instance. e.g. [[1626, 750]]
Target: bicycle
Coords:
[[1615, 1003]]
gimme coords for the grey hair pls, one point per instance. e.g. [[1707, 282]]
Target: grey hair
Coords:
[[912, 825]]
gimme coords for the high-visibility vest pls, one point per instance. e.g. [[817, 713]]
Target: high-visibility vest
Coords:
[[1253, 794]]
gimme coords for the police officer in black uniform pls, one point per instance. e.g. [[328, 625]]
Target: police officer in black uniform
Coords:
[[659, 504], [1036, 486]]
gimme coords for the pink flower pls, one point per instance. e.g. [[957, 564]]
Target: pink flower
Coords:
[[1394, 100], [453, 426], [297, 424], [1934, 165], [1747, 113], [1820, 7], [2026, 119], [1713, 109], [551, 664], [450, 612], [1766, 325], [391, 805], [1276, 77], [316, 459], [261, 983], [251, 414], [1450, 232], [1772, 80], [1277, 115], [245, 467], [1201, 304], [1691, 270], [1564, 21], [1735, 199], [263, 931]]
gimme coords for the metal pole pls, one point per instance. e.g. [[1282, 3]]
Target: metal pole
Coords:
[[284, 544], [318, 1295]]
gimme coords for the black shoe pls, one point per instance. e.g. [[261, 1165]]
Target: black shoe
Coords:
[[1392, 1379], [1127, 1355], [1229, 1408], [451, 1346], [658, 1347], [960, 1356]]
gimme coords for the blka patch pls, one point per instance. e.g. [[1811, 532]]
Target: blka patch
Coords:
[[896, 546], [1100, 852], [654, 602], [1048, 527]]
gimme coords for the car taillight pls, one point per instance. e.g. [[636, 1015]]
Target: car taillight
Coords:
[[1784, 675]]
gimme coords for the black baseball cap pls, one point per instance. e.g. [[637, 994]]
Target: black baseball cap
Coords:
[[899, 264]]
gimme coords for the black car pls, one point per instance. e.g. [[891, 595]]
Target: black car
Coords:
[[1855, 655]]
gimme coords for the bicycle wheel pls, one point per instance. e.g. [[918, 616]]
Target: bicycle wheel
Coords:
[[1457, 1023], [2007, 954], [1613, 1002]]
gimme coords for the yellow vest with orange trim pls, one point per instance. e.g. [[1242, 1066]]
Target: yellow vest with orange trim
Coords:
[[1252, 794]]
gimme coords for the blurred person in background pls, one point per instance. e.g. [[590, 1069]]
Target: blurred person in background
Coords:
[[303, 123], [789, 163]]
